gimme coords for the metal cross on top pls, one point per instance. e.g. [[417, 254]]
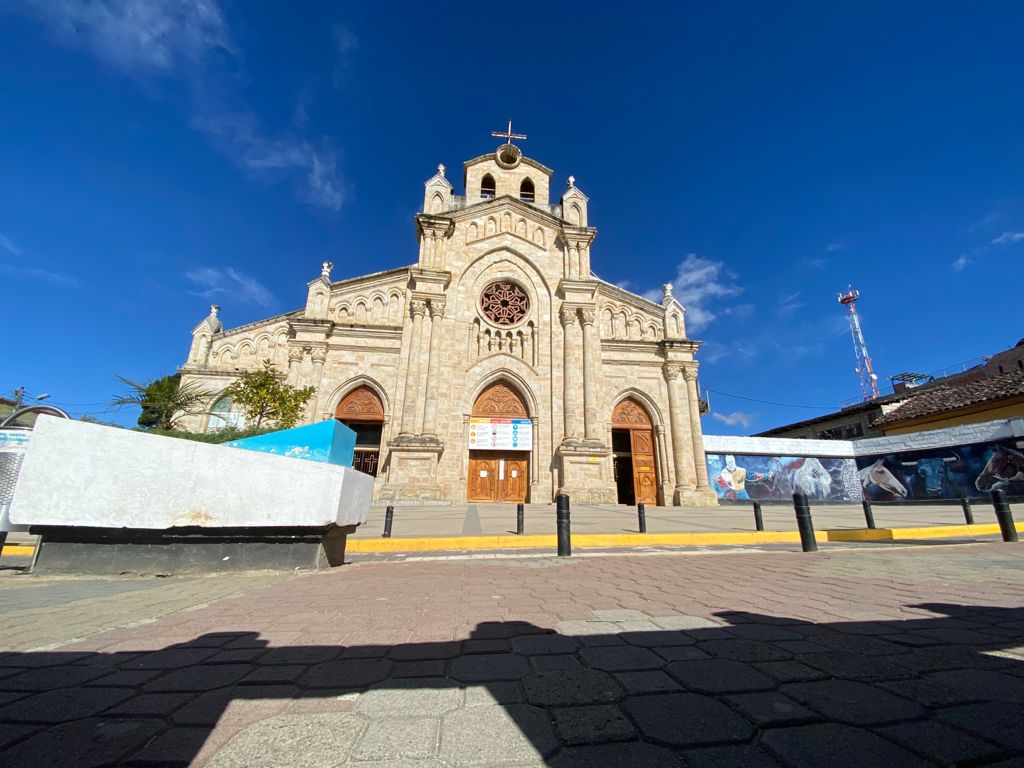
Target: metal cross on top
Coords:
[[508, 135]]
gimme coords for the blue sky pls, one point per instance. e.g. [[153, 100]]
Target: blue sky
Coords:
[[159, 154]]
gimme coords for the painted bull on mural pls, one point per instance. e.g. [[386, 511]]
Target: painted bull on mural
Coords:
[[881, 484], [938, 476], [1003, 472]]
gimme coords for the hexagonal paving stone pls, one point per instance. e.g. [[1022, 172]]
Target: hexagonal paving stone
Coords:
[[947, 746], [982, 684], [346, 673], [852, 666], [533, 645], [423, 697], [324, 741], [569, 688], [492, 666], [998, 722], [746, 756], [853, 702], [769, 708], [633, 755], [647, 681], [393, 738], [58, 706], [488, 735], [719, 676], [621, 658], [82, 744], [744, 650], [686, 719], [591, 725], [837, 746]]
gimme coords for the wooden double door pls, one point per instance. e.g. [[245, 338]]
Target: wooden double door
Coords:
[[633, 450], [498, 476]]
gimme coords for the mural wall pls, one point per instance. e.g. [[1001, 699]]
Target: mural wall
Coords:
[[963, 471], [777, 478]]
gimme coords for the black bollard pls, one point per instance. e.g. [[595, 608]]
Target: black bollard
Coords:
[[389, 518], [562, 525], [804, 523], [968, 515], [520, 514], [869, 516], [1004, 516], [641, 513], [758, 519]]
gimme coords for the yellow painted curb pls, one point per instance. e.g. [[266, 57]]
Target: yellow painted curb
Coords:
[[633, 540], [582, 540], [922, 532], [18, 550]]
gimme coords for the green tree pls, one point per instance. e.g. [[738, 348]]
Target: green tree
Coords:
[[163, 401], [264, 397]]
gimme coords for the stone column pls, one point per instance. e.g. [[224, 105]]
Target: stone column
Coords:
[[319, 355], [412, 371], [699, 464], [659, 432], [295, 355], [534, 451], [430, 390], [681, 455], [591, 371], [570, 373]]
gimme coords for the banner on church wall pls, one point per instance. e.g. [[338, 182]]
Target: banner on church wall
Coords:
[[500, 434]]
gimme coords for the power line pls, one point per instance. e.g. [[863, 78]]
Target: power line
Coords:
[[769, 402]]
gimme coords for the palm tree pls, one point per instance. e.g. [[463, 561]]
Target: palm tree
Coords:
[[163, 401]]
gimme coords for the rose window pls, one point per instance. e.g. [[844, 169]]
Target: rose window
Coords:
[[504, 303]]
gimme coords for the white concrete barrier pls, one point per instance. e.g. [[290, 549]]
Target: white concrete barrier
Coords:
[[80, 474]]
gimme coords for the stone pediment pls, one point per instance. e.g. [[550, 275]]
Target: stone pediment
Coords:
[[507, 216]]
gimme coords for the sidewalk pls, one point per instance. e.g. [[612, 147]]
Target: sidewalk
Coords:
[[866, 657]]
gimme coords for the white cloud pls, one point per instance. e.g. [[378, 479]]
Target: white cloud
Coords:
[[698, 283], [1008, 237], [8, 245], [736, 418], [989, 218], [191, 40], [214, 281], [32, 273], [961, 262], [137, 35], [835, 247]]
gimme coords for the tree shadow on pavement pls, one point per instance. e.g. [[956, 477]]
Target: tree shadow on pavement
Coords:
[[756, 691]]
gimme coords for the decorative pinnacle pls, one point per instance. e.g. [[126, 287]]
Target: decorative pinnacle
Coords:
[[326, 269], [214, 309], [440, 170], [666, 290], [572, 182]]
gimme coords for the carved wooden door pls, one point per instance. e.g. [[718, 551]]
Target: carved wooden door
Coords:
[[483, 479], [645, 479], [513, 485]]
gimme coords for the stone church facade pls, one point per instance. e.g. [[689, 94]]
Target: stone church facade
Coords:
[[495, 368]]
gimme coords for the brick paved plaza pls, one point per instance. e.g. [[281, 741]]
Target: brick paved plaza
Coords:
[[857, 656]]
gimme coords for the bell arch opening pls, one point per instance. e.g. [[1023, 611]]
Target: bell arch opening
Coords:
[[500, 443], [634, 457], [362, 411]]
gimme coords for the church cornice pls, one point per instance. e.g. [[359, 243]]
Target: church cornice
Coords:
[[259, 324], [373, 278], [538, 215], [609, 290], [493, 157]]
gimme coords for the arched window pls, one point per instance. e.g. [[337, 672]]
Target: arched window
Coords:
[[221, 416], [487, 188], [526, 191]]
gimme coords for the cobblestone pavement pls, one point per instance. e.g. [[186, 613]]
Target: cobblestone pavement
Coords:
[[874, 657], [40, 612]]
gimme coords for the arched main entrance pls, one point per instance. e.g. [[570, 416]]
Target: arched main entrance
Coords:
[[500, 439], [362, 411], [636, 476]]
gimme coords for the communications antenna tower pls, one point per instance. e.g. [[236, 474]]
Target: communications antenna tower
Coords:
[[868, 379]]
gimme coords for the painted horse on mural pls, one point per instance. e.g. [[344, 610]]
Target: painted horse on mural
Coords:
[[881, 484], [1003, 472], [812, 479]]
